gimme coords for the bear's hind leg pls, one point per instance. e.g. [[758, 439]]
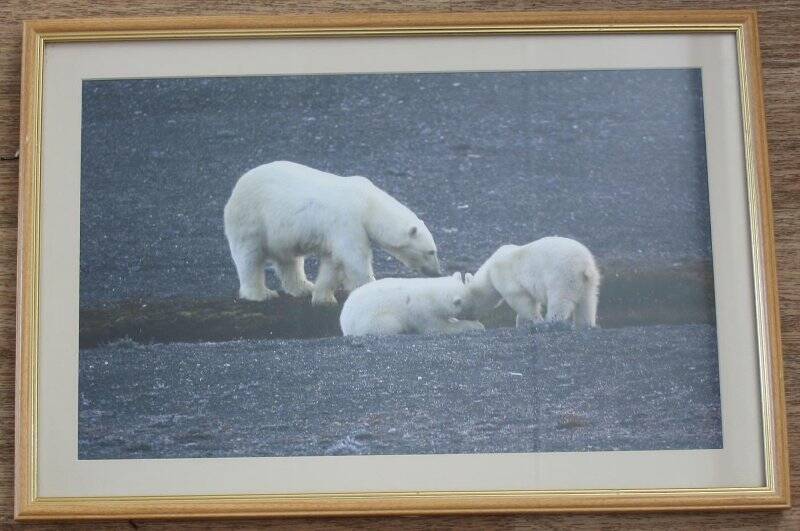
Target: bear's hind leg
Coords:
[[292, 274], [250, 265], [326, 283], [586, 308]]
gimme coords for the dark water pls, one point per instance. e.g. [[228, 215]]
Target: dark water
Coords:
[[615, 159]]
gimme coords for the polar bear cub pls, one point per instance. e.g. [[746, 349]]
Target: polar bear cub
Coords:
[[558, 273], [282, 211], [406, 306]]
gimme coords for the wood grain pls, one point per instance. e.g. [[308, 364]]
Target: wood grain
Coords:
[[779, 23]]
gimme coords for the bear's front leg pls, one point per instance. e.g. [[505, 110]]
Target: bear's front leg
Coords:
[[450, 326], [559, 306], [326, 283], [535, 318], [528, 309], [351, 283], [357, 270], [459, 325]]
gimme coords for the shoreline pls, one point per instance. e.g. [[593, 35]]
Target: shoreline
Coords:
[[629, 296]]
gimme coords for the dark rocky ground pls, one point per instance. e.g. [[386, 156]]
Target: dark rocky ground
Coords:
[[503, 390], [615, 159]]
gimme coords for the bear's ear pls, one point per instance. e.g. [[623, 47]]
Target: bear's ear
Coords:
[[457, 276], [412, 231], [467, 278]]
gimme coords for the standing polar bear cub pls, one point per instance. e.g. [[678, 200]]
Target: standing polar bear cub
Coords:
[[556, 272], [406, 306], [282, 211]]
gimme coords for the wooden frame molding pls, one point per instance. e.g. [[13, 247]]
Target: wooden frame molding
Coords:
[[38, 34]]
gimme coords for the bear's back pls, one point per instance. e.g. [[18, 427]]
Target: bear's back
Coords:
[[399, 291], [557, 247], [557, 255], [293, 187], [286, 172]]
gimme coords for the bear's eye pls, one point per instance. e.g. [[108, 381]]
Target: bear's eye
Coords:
[[431, 253]]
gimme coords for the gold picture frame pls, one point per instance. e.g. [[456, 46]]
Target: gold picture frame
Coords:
[[38, 35]]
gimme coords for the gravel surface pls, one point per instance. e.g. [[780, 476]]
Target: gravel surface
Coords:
[[615, 159], [504, 390]]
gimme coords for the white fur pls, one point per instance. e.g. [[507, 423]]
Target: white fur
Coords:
[[282, 211], [555, 272], [406, 306]]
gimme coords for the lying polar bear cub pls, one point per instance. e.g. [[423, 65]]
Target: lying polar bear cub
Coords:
[[283, 211], [556, 272], [406, 306]]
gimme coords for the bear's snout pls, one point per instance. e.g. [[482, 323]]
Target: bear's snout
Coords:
[[431, 271], [467, 312]]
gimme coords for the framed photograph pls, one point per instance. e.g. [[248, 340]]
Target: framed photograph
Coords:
[[396, 264]]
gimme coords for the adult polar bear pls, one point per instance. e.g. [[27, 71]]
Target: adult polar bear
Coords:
[[283, 211]]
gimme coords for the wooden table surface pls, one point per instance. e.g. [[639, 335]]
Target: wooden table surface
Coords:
[[780, 46]]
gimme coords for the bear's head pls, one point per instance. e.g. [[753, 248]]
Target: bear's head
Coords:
[[394, 227], [417, 250]]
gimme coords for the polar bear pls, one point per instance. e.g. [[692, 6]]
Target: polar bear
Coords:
[[559, 273], [282, 211], [406, 306]]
